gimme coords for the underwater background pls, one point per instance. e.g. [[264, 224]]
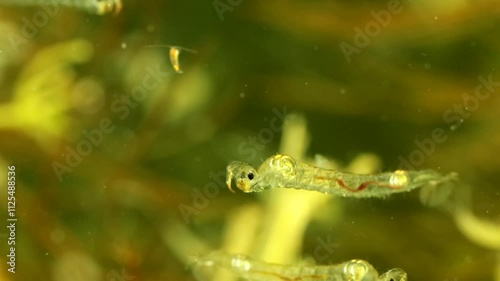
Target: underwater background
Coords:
[[120, 160]]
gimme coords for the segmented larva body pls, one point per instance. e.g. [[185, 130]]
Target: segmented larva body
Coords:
[[285, 172]]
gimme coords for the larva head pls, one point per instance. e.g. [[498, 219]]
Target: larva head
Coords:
[[358, 270], [245, 176]]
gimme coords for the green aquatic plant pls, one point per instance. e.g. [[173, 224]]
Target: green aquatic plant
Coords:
[[41, 100]]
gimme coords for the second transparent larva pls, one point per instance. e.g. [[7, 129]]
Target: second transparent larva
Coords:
[[249, 269]]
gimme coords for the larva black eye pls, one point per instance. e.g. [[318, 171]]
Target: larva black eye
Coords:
[[250, 176]]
